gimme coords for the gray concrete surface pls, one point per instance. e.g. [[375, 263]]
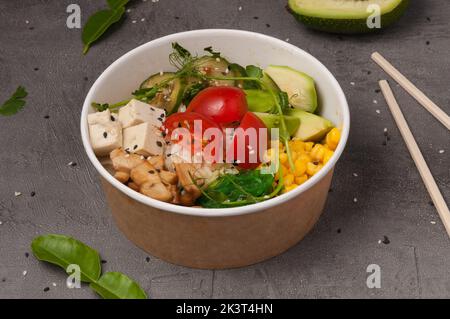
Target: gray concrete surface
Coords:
[[39, 52]]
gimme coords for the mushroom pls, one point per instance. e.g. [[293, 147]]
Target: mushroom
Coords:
[[123, 163], [146, 177], [185, 172]]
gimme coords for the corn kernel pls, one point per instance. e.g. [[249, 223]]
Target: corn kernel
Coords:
[[327, 156], [288, 180], [301, 179], [283, 158], [308, 146], [318, 152], [312, 169], [300, 167], [304, 158], [333, 138], [289, 188], [298, 146]]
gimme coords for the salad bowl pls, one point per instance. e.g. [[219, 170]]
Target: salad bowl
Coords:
[[217, 238]]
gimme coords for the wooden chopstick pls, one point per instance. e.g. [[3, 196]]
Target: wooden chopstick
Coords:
[[417, 156], [429, 105]]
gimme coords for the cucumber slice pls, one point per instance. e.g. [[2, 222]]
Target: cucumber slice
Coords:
[[312, 127], [269, 84], [171, 94], [298, 85], [273, 121], [217, 67], [345, 16]]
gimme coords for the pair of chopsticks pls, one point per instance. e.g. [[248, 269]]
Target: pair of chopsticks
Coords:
[[411, 143]]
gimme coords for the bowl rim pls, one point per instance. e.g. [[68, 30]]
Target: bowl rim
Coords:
[[216, 212]]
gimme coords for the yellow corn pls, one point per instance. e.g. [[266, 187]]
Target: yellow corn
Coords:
[[289, 188], [333, 138], [318, 152], [301, 179], [327, 156], [288, 180], [300, 167], [308, 146], [283, 158]]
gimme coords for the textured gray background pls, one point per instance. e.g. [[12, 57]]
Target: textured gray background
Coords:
[[45, 56]]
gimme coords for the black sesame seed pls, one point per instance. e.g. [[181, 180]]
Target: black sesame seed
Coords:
[[36, 69], [147, 259], [169, 155], [31, 28], [86, 78], [27, 255], [377, 91], [369, 72], [168, 142], [158, 170], [3, 279], [330, 190], [162, 115], [46, 117], [256, 18], [135, 147], [113, 118], [105, 135], [386, 240], [127, 150], [73, 164], [384, 143], [46, 289], [428, 19], [152, 109], [163, 134], [339, 231], [151, 172], [159, 143], [32, 194], [428, 42], [431, 203], [179, 124], [103, 261], [267, 25], [177, 18], [160, 119]]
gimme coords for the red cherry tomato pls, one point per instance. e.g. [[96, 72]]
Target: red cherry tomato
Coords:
[[248, 146], [189, 121], [224, 105]]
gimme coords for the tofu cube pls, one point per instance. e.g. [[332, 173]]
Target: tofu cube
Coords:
[[104, 117], [137, 112], [105, 137], [143, 139]]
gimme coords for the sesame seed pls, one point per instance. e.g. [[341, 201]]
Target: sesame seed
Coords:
[[240, 8], [441, 151], [135, 147], [159, 144], [27, 255], [24, 273], [378, 111], [73, 164], [127, 155], [54, 284], [355, 200], [46, 289], [355, 174], [134, 21], [433, 222], [113, 118], [287, 39], [143, 19], [375, 102], [1, 223], [32, 194], [105, 134], [147, 259], [386, 240], [352, 83], [151, 172], [17, 194]]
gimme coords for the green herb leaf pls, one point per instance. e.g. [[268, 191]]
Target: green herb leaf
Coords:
[[100, 107], [213, 53], [146, 94], [99, 22], [192, 91], [114, 285], [182, 52], [254, 71], [64, 251], [247, 187], [15, 103], [283, 98], [114, 4]]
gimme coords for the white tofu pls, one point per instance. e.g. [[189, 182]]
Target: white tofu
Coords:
[[104, 117], [105, 137], [143, 139], [137, 112]]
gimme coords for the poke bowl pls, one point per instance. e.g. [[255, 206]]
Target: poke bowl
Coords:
[[236, 216]]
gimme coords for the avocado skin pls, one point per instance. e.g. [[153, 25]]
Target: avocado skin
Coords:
[[349, 26]]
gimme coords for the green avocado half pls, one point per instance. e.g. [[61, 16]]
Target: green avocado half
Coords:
[[346, 16]]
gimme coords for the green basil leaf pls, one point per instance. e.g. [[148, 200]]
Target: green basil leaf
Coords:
[[98, 23], [64, 251], [15, 103], [115, 285], [114, 4]]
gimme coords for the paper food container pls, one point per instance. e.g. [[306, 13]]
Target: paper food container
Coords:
[[217, 238]]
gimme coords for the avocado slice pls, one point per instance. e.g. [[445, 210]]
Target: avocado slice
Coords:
[[298, 85], [312, 127], [273, 121], [259, 101], [345, 16]]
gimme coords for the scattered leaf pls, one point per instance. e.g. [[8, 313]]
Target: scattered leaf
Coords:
[[114, 285], [15, 103]]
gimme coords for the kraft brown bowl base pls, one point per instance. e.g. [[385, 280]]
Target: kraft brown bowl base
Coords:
[[218, 242]]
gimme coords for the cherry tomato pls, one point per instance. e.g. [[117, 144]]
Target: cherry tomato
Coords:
[[189, 121], [251, 146], [224, 105]]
